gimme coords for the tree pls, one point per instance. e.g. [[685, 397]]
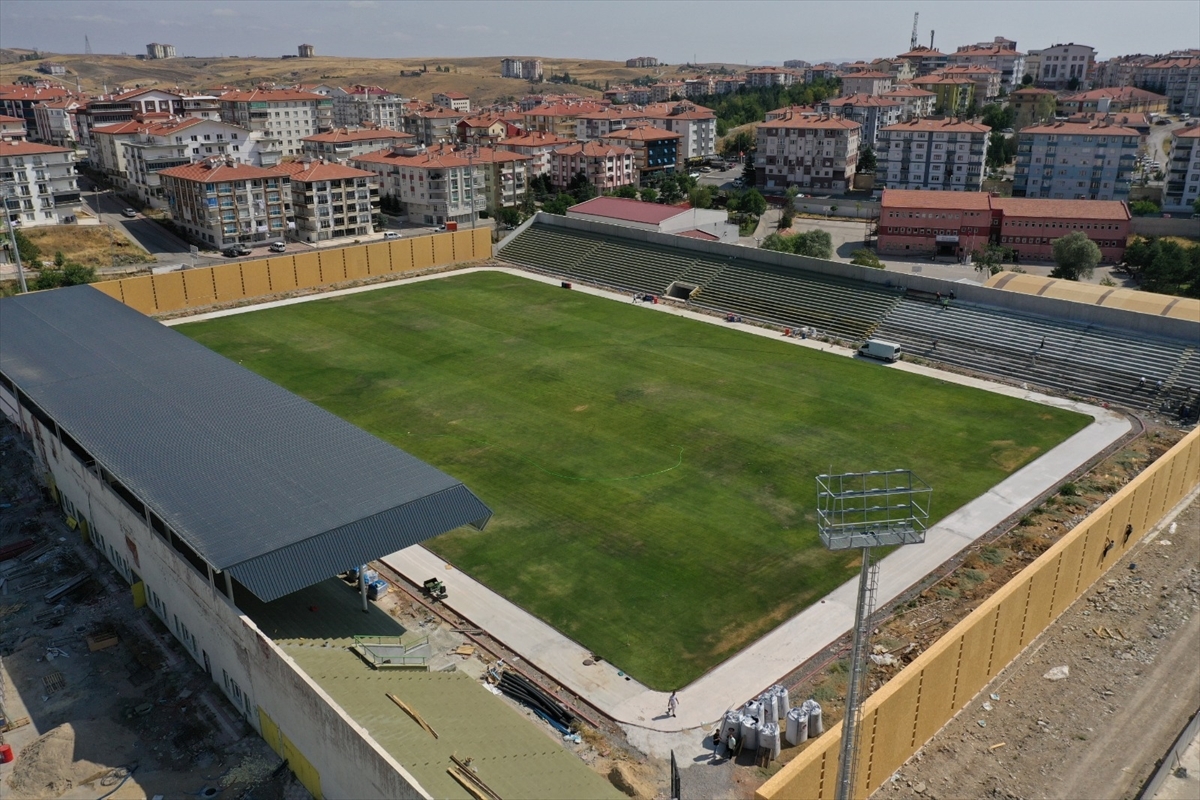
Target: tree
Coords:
[[558, 204], [998, 117], [786, 218], [814, 244], [997, 148], [63, 273], [778, 242], [741, 142], [670, 189], [988, 259], [1073, 84], [1075, 255], [30, 253], [748, 175], [701, 197], [1164, 266], [866, 162], [1140, 208], [508, 215], [1026, 79], [628, 190], [866, 258], [752, 202], [649, 194], [1196, 206], [581, 188]]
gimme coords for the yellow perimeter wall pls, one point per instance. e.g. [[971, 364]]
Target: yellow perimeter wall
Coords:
[[915, 704], [305, 772], [227, 283]]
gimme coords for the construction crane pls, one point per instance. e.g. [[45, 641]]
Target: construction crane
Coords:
[[912, 44]]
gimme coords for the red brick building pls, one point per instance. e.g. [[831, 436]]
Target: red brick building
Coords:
[[923, 223]]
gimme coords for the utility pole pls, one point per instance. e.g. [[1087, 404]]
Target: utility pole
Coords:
[[12, 238]]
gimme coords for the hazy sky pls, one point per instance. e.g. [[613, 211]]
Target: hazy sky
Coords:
[[737, 32]]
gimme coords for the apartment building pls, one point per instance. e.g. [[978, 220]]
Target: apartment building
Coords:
[[914, 103], [1075, 160], [641, 62], [655, 150], [925, 60], [485, 129], [1177, 77], [455, 101], [592, 125], [155, 146], [367, 105], [331, 201], [1114, 100], [538, 146], [341, 144], [434, 186], [222, 202], [1000, 54], [932, 154], [12, 127], [288, 115], [871, 112], [811, 152], [56, 121], [727, 84], [306, 51], [695, 124], [868, 82], [529, 69], [1033, 105], [700, 86], [1062, 66], [42, 178], [607, 166], [433, 124], [987, 80], [770, 76], [156, 51], [506, 176], [19, 102], [951, 95], [1183, 171], [107, 150], [559, 119], [900, 69]]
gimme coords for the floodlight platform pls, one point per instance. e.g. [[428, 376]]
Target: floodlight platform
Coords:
[[872, 509]]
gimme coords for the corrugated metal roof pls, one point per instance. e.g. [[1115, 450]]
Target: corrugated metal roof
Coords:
[[255, 479]]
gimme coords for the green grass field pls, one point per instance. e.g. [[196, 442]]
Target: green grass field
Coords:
[[652, 477]]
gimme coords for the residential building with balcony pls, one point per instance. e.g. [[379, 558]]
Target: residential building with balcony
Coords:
[[900, 69], [1183, 170], [559, 119], [695, 124], [1114, 100], [221, 202], [434, 185], [331, 201], [12, 127], [368, 105], [529, 69], [433, 125], [868, 82], [813, 152], [306, 51], [107, 153], [606, 166], [932, 154], [953, 96], [770, 76], [925, 60], [986, 79], [641, 62], [455, 101], [19, 102], [1000, 54], [592, 125], [505, 175], [873, 113], [538, 146], [700, 86], [1033, 105], [156, 51], [342, 144], [1177, 77], [655, 150], [288, 115], [1075, 160], [485, 129], [42, 180], [728, 84], [1062, 66], [56, 121], [914, 103]]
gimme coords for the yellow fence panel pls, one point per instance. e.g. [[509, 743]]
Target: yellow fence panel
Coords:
[[198, 283], [1010, 620], [308, 270], [112, 289], [305, 772], [139, 293], [443, 248], [402, 255], [282, 273], [937, 688], [977, 631], [890, 744], [333, 266], [168, 292], [1042, 577], [422, 252], [356, 263], [379, 258], [255, 278], [228, 280]]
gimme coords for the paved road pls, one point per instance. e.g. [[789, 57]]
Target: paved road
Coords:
[[156, 240]]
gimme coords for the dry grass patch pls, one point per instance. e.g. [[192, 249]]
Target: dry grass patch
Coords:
[[90, 245]]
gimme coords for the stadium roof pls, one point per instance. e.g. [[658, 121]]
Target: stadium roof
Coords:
[[256, 480]]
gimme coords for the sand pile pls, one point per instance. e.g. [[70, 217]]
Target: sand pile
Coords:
[[46, 768]]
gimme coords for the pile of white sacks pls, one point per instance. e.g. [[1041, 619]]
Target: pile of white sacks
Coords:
[[758, 723]]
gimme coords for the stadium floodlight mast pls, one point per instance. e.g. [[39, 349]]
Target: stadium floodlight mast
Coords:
[[862, 510]]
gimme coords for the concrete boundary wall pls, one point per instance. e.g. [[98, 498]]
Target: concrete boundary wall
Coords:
[[1166, 226], [908, 710], [1166, 327], [288, 272]]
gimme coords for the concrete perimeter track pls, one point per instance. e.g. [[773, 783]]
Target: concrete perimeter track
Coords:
[[642, 711]]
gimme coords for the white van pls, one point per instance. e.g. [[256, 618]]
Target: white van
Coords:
[[884, 351], [389, 235]]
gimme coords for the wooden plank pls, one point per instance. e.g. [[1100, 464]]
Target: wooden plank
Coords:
[[417, 718]]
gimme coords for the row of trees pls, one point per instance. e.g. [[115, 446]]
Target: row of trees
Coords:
[[814, 243], [751, 105], [1164, 265]]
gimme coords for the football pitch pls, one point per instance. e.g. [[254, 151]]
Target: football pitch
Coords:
[[652, 477]]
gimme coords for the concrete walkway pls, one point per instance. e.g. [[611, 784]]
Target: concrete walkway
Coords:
[[640, 710]]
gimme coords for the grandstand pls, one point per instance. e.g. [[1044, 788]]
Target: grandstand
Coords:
[[1063, 348]]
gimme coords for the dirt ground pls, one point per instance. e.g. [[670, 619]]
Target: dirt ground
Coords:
[[1130, 646], [89, 245], [138, 718]]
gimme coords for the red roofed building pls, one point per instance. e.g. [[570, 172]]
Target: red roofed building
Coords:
[[46, 191], [340, 144], [698, 223], [607, 166], [1183, 170], [288, 115], [914, 103], [655, 150], [939, 154], [986, 80], [872, 112], [925, 60], [1075, 160], [1178, 78], [19, 101], [1033, 105], [331, 201], [921, 223], [1113, 100], [812, 152], [12, 127], [221, 202], [486, 129], [1000, 54], [868, 82], [433, 186], [538, 146], [770, 76], [367, 105], [433, 124], [695, 124]]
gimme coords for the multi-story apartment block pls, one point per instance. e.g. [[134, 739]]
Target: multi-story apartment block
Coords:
[[937, 154], [914, 103], [288, 115], [871, 112], [663, 91], [925, 60], [331, 201], [1113, 100], [770, 76], [1183, 170], [505, 176], [1075, 160], [19, 102], [368, 105], [695, 124], [342, 144], [817, 152], [700, 86], [222, 202], [1062, 66], [174, 142], [606, 166], [558, 118], [987, 80], [529, 69], [485, 129], [951, 95], [455, 101], [56, 121], [729, 84], [306, 51], [41, 179], [434, 185], [655, 150], [592, 125], [1000, 54], [12, 127], [1177, 77], [641, 62], [538, 146], [433, 124], [868, 82], [1032, 106], [156, 51], [107, 150], [900, 69]]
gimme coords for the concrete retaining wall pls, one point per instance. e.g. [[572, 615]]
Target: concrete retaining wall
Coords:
[[914, 705], [1166, 226]]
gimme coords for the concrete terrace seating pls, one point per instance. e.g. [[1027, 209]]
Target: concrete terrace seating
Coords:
[[1076, 358]]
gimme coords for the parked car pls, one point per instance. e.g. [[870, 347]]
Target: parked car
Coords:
[[236, 250], [391, 235], [278, 247], [441, 227], [128, 212]]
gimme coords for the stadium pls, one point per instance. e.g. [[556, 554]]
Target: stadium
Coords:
[[626, 485]]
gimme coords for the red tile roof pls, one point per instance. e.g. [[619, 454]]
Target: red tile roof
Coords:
[[989, 50], [867, 74], [308, 171], [627, 209], [120, 128], [535, 139], [805, 121], [268, 96], [920, 51], [968, 69], [217, 171], [430, 159], [1124, 93], [1061, 209], [916, 198], [1031, 90], [358, 135], [593, 149], [695, 233], [643, 133], [948, 125], [6, 118], [17, 147], [1192, 132], [908, 91], [863, 100], [1096, 128]]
